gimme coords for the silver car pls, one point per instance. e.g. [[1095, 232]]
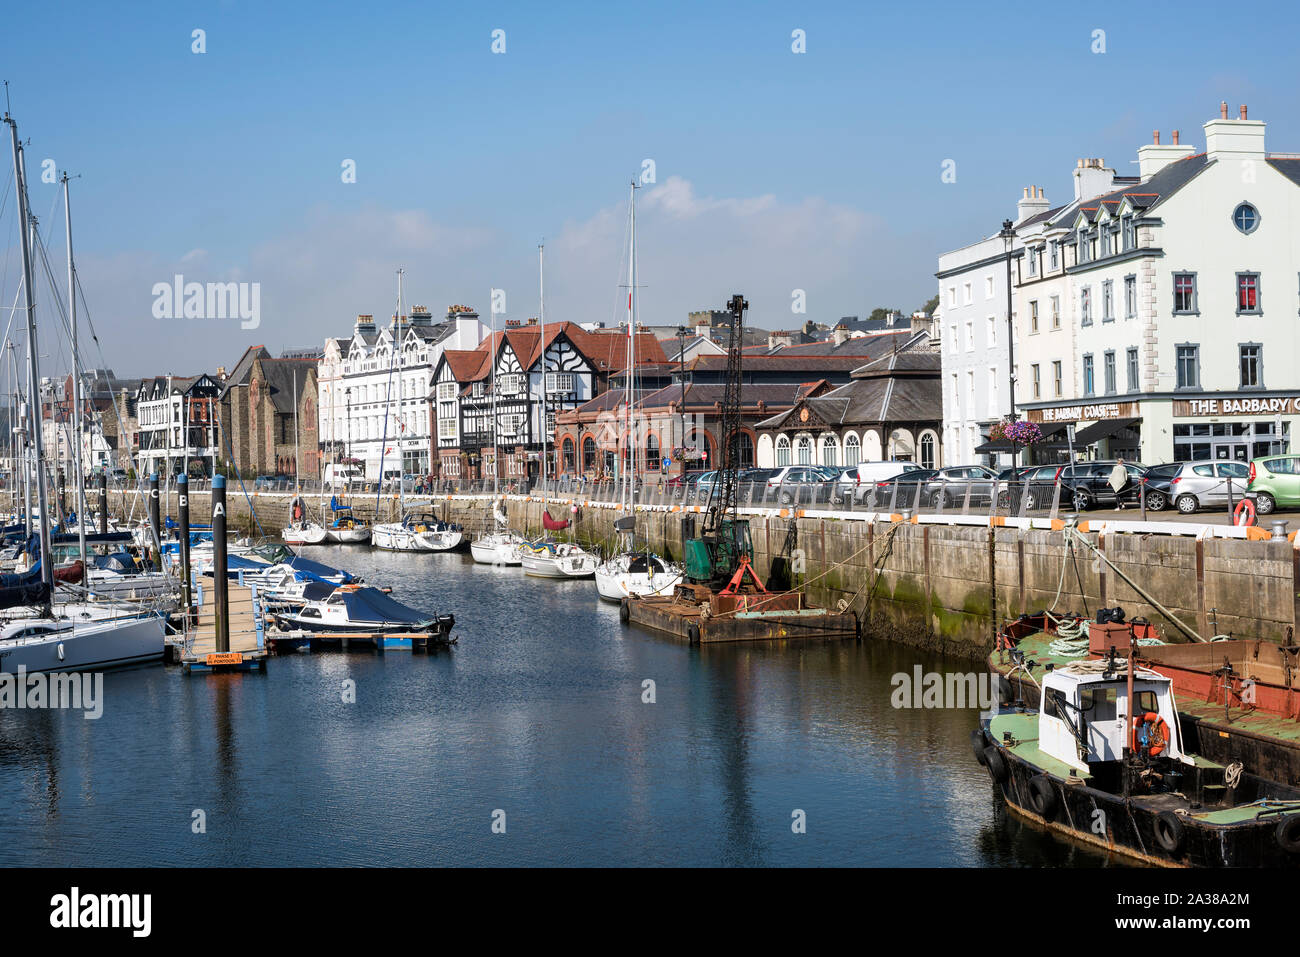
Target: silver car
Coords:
[[1205, 484]]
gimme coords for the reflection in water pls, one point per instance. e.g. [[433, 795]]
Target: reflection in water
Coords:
[[538, 711]]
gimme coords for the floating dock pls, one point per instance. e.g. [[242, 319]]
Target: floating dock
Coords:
[[247, 637], [701, 616], [284, 641]]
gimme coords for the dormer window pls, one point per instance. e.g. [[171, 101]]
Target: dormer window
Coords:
[[1127, 225], [1246, 218]]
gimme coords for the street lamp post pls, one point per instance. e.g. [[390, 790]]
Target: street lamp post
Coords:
[[1008, 235], [681, 405]]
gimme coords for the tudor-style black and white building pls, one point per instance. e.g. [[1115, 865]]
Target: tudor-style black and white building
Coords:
[[479, 415], [176, 424]]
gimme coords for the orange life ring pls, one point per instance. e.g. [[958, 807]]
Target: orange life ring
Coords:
[[1157, 737], [1245, 513]]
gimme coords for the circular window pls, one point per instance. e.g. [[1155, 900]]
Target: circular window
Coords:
[[1245, 217]]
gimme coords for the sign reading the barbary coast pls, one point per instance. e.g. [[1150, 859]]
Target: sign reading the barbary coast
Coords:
[[1085, 413], [1264, 405]]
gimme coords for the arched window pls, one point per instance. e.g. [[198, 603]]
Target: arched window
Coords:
[[803, 449], [927, 450], [588, 454], [829, 449], [652, 452], [566, 455], [852, 451], [782, 452], [744, 450]]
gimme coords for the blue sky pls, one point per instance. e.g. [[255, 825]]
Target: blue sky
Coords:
[[775, 171]]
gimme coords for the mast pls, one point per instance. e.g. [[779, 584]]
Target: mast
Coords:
[[492, 352], [401, 455], [33, 367], [629, 473], [76, 389], [541, 313]]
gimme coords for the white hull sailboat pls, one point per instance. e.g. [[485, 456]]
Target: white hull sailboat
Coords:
[[44, 644], [303, 533], [497, 548], [557, 560], [636, 575], [500, 547]]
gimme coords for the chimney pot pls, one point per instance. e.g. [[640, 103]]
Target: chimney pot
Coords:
[[1175, 138], [1155, 137], [1025, 194], [1243, 111], [1223, 109]]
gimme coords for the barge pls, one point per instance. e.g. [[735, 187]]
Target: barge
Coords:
[[700, 615]]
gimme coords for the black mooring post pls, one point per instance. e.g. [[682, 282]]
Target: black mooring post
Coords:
[[155, 523], [220, 576], [103, 503], [183, 508]]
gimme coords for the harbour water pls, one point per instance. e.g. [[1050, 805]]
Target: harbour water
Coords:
[[537, 713]]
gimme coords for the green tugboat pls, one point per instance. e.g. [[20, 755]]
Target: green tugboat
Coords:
[[1103, 762]]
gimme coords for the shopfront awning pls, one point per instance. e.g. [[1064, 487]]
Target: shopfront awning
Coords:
[[1053, 438], [1103, 430]]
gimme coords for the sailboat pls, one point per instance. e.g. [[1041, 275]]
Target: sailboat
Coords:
[[42, 635], [345, 528], [546, 558], [301, 530], [499, 547], [631, 571]]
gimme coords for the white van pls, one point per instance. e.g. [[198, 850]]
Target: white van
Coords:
[[860, 478], [343, 476]]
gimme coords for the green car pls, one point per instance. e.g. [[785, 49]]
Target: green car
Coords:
[[1275, 481]]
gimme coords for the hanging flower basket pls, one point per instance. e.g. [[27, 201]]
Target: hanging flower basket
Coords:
[[686, 454], [1019, 432]]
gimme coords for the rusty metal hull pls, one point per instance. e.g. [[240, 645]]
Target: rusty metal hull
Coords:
[[761, 621]]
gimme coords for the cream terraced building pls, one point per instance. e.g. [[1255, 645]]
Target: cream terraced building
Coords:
[[1160, 314]]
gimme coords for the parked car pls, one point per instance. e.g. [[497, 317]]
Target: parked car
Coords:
[[791, 479], [703, 485], [1087, 484], [1275, 480], [901, 490], [1192, 485], [858, 480], [959, 485]]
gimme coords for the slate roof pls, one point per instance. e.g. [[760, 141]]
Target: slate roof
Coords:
[[900, 387], [1288, 166]]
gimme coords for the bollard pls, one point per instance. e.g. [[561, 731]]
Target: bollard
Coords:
[[183, 508], [220, 579], [103, 502], [155, 523], [1278, 528]]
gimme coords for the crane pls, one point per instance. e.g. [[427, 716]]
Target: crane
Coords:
[[722, 553]]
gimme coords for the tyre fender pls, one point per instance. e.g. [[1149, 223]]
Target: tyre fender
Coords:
[[1169, 831], [1288, 833], [996, 762], [1042, 796]]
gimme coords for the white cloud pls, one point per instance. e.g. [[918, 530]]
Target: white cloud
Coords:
[[694, 251]]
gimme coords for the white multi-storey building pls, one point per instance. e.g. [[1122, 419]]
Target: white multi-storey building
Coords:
[[973, 335], [374, 405], [1158, 313]]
